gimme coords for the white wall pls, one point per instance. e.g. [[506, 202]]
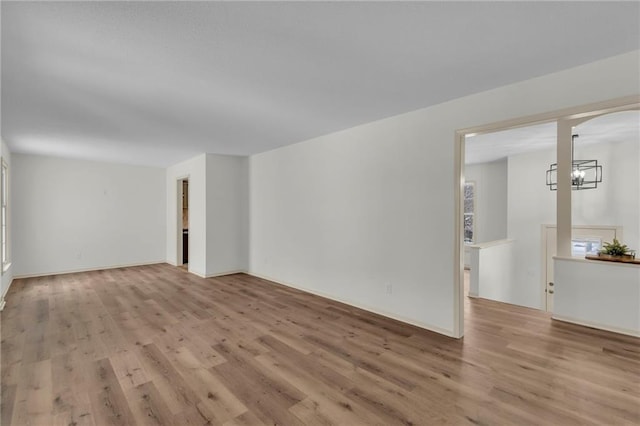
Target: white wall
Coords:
[[348, 214], [616, 201], [227, 212], [491, 199], [598, 294], [531, 204], [218, 213], [492, 271], [196, 170], [7, 276], [73, 215]]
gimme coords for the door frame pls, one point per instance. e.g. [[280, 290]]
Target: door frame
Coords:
[[179, 192], [566, 118]]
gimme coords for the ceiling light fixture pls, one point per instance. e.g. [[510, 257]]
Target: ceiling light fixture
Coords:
[[585, 174]]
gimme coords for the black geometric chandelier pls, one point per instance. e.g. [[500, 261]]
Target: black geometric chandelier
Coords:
[[585, 174]]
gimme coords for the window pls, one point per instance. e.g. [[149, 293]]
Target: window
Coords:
[[469, 212], [581, 246], [4, 178]]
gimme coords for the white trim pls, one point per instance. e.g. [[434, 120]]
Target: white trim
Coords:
[[7, 289], [543, 266], [191, 271], [427, 327], [596, 325], [220, 274], [3, 302], [4, 197], [179, 220], [96, 268], [458, 231]]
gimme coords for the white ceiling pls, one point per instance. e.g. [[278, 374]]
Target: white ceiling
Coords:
[[617, 127], [159, 82]]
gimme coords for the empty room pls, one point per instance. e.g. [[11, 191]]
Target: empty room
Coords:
[[319, 213]]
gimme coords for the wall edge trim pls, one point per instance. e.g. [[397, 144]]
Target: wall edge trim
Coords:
[[96, 268], [6, 291], [597, 325], [428, 327], [220, 274]]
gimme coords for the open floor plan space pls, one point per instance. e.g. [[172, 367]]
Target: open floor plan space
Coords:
[[157, 345]]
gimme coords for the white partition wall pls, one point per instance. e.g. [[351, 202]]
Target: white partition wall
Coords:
[[598, 294], [218, 213], [227, 214], [492, 273]]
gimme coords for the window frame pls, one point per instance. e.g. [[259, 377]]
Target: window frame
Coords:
[[472, 214], [5, 258]]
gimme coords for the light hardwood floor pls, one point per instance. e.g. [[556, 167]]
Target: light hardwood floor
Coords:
[[157, 345]]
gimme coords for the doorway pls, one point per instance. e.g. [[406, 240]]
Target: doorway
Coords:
[[506, 208], [565, 119], [183, 223]]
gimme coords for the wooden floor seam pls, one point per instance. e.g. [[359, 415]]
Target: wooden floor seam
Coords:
[[155, 345]]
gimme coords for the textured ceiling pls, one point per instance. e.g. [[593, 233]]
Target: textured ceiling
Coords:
[[159, 82], [617, 127]]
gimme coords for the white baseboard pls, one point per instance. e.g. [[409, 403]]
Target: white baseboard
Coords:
[[2, 298], [428, 327], [97, 268], [220, 274], [634, 333], [6, 290]]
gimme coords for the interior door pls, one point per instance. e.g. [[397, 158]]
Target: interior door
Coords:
[[605, 233]]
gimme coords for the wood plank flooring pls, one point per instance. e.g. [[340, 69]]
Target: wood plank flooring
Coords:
[[155, 345]]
